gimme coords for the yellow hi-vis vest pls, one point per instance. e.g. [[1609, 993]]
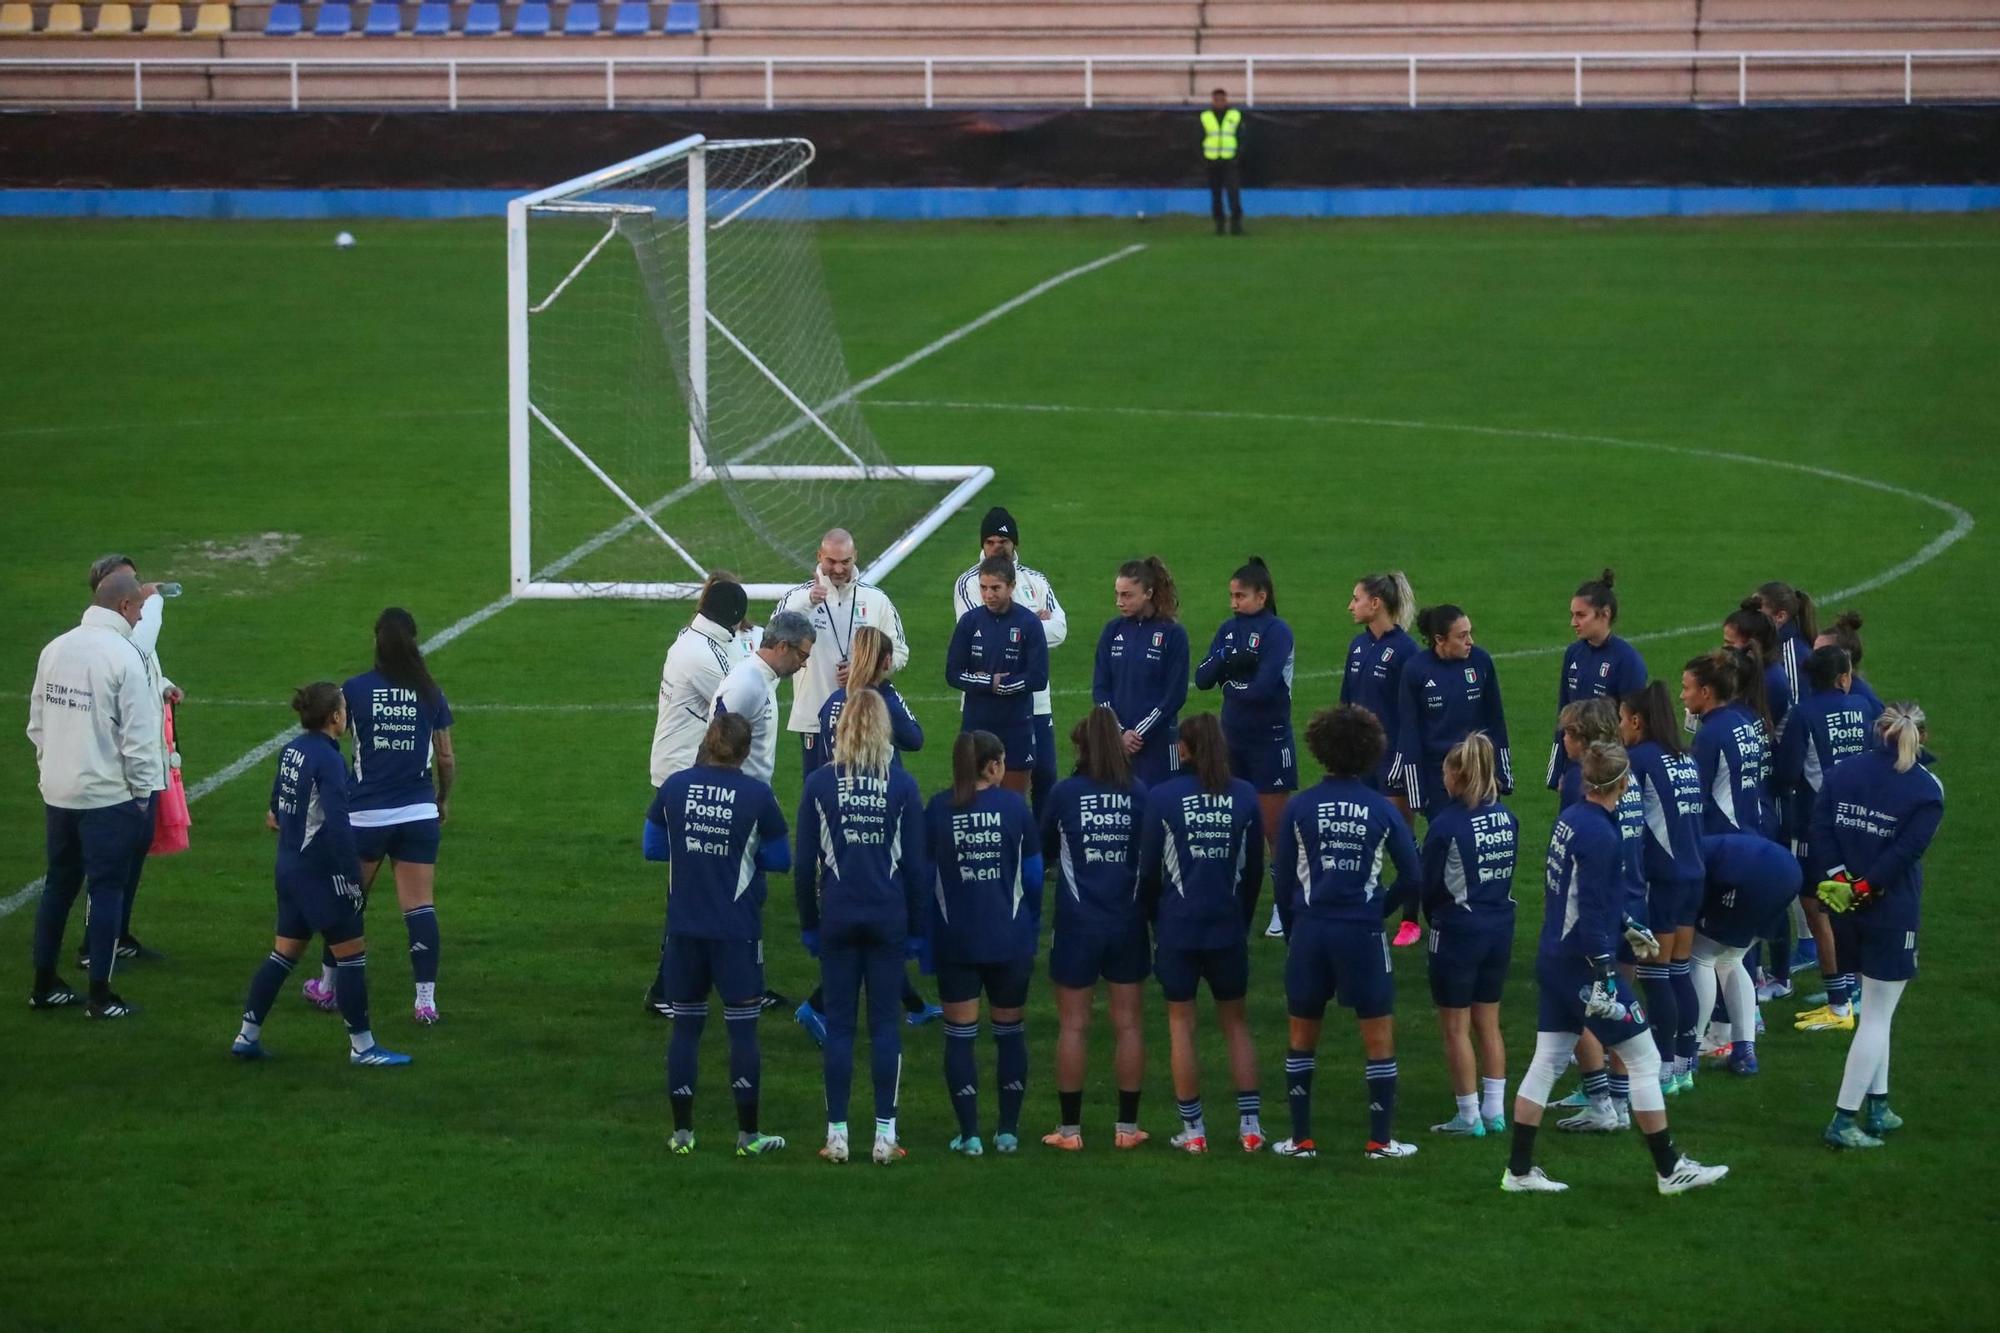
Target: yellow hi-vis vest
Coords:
[[1218, 137]]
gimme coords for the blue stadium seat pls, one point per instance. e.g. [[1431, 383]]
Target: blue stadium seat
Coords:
[[284, 20], [532, 19], [433, 19], [385, 19], [336, 19], [635, 19], [583, 19], [482, 18], [683, 16]]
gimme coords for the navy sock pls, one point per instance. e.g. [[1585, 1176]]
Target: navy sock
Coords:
[[1381, 1076], [422, 923], [1596, 1084], [746, 1061], [1190, 1111], [264, 987], [350, 990], [1662, 1008], [1839, 989], [1249, 1103], [1128, 1106], [1687, 1038], [683, 1053], [1521, 1158], [1070, 1106], [913, 1000], [817, 1001], [1661, 1144], [1299, 1066], [1011, 1065], [961, 1074], [1621, 1088]]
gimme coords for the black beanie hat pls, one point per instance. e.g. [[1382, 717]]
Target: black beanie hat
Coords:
[[725, 603], [999, 523]]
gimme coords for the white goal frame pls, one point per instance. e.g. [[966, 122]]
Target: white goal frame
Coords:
[[546, 583]]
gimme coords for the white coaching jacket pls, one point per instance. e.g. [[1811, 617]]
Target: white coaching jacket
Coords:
[[95, 719], [700, 657], [1032, 590], [834, 620]]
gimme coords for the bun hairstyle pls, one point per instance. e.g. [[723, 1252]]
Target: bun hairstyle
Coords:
[[1435, 622], [1605, 765], [1207, 752], [1846, 631], [1393, 591], [1753, 625], [1795, 604], [970, 754], [1472, 759], [1825, 666], [726, 743], [1256, 575], [1654, 708], [316, 704], [1100, 749], [1598, 593], [1901, 727], [1153, 575]]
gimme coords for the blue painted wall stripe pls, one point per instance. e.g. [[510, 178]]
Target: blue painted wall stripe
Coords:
[[903, 205]]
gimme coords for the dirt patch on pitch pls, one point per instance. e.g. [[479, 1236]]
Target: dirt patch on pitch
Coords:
[[246, 566]]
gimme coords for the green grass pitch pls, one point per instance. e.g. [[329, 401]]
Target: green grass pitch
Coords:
[[1500, 407]]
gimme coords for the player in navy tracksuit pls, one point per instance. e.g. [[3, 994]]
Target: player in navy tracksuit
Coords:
[[1200, 865], [1599, 665], [1797, 620], [1468, 865], [1327, 872], [1251, 658], [1142, 667], [399, 799], [868, 667], [1748, 879], [1748, 629], [318, 879], [1730, 748], [1450, 691], [860, 882], [985, 922], [1576, 971], [1871, 825], [1385, 608], [1846, 634], [1670, 798], [721, 831], [999, 658], [1090, 831], [1830, 724]]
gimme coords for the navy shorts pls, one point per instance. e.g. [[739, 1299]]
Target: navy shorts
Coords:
[[1469, 959], [1005, 985], [734, 969], [814, 753], [1563, 986], [314, 904], [1020, 741], [1331, 960], [1883, 953], [1737, 919], [1181, 971], [1267, 765], [1045, 744], [414, 843], [1161, 757], [1673, 905], [1079, 959]]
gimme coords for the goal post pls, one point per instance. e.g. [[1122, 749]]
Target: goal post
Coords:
[[678, 400]]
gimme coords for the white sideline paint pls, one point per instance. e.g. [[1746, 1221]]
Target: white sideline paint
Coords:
[[264, 750]]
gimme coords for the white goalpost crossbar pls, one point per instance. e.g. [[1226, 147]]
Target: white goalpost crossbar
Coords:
[[534, 574]]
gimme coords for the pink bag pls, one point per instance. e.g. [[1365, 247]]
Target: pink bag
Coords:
[[170, 808]]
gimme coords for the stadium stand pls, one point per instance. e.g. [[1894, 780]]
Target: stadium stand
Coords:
[[583, 19], [384, 18], [68, 18]]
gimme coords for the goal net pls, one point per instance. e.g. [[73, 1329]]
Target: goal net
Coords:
[[678, 399]]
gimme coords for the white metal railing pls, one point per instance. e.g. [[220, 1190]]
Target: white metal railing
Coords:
[[1086, 68]]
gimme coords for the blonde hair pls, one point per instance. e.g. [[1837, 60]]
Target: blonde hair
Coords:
[[1902, 730], [1590, 720], [870, 659], [1605, 765], [861, 739], [1472, 760]]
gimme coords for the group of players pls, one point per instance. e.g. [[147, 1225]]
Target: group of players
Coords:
[[1670, 860]]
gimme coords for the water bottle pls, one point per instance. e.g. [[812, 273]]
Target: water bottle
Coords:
[[170, 590]]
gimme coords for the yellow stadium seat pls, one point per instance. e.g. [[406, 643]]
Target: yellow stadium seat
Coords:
[[16, 19], [64, 19], [114, 20], [211, 21], [163, 20]]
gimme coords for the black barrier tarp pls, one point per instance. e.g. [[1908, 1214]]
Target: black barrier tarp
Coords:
[[1613, 146]]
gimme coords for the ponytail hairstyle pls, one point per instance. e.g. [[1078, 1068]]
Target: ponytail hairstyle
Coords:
[[1715, 671], [1903, 732], [1347, 740], [871, 656], [1598, 593], [1153, 575], [1393, 591], [1472, 760], [970, 754], [862, 743], [1605, 766], [1256, 575], [1795, 604], [1825, 666], [1100, 749], [727, 742], [1846, 632], [398, 657], [1435, 622], [1654, 708], [1590, 721], [1207, 752], [1753, 625], [317, 703], [1746, 684]]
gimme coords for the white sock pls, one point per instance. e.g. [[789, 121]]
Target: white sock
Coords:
[[326, 976], [834, 1127], [1868, 1055], [427, 993], [1468, 1106], [1276, 924], [1246, 1125], [250, 1030], [360, 1041], [1196, 1128], [886, 1129], [1492, 1097]]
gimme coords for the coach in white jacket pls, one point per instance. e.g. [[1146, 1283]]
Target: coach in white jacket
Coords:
[[837, 604], [703, 654], [1000, 535], [94, 719]]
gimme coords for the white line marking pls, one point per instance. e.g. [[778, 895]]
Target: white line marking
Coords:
[[265, 749]]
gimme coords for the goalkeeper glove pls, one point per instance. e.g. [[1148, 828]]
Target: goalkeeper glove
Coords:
[[1642, 942], [1841, 894], [1600, 1000]]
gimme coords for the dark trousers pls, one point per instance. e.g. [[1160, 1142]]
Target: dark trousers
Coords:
[[97, 848], [1225, 176], [851, 958]]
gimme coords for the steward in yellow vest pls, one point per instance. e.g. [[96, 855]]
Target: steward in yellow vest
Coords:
[[1221, 130]]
